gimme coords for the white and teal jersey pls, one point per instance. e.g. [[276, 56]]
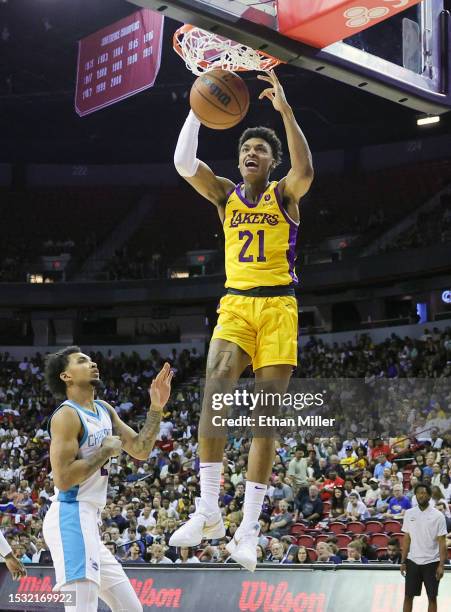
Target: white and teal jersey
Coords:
[[95, 427]]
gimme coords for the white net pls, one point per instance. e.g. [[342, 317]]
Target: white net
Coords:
[[203, 51]]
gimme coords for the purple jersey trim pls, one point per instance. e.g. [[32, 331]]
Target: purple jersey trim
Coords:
[[226, 202], [291, 251], [245, 200], [282, 209], [230, 193]]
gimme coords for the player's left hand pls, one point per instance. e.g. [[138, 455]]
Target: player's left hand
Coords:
[[16, 567], [275, 93], [160, 389], [439, 572]]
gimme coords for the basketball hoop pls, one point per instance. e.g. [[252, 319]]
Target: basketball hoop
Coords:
[[203, 51]]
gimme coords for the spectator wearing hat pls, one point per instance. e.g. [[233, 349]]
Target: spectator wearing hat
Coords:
[[349, 460], [372, 494]]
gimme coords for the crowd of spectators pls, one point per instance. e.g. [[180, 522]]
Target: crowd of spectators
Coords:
[[353, 478], [430, 228], [359, 208]]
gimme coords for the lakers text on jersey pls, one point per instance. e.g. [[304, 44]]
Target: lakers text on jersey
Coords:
[[260, 241]]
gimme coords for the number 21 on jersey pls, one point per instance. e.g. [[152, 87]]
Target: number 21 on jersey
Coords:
[[248, 237]]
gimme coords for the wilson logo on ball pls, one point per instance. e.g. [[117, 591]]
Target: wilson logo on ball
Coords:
[[217, 92]]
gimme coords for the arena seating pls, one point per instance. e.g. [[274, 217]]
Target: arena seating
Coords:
[[47, 221], [167, 483]]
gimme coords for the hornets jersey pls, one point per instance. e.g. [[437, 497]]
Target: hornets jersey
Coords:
[[260, 241], [95, 427]]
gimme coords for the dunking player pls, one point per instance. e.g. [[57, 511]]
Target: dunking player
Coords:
[[258, 317], [85, 434]]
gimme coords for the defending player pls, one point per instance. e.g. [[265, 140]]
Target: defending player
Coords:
[[258, 317], [85, 434], [15, 566]]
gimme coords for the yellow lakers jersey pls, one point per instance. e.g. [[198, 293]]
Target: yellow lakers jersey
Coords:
[[260, 241]]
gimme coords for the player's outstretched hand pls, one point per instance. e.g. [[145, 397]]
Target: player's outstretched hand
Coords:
[[16, 567], [160, 389], [275, 93], [113, 444]]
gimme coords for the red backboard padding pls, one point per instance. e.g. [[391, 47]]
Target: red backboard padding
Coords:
[[320, 23]]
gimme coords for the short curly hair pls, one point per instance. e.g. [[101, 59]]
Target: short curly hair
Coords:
[[266, 134], [55, 363]]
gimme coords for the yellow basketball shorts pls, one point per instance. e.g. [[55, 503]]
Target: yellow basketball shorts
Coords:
[[266, 328]]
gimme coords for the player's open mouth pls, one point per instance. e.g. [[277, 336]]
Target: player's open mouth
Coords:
[[251, 163]]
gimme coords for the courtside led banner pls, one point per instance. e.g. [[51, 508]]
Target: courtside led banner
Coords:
[[227, 588], [118, 61]]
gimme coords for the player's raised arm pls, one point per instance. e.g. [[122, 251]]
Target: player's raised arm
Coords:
[[67, 470], [300, 176], [194, 171], [139, 445], [15, 566]]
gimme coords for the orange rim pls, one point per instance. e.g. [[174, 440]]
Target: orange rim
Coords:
[[267, 61]]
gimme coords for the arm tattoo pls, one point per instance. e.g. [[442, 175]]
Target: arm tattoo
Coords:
[[149, 432], [97, 460], [220, 362]]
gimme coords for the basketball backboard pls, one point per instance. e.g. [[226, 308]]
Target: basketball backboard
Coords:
[[404, 58]]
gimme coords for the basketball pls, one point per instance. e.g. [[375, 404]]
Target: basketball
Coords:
[[219, 99]]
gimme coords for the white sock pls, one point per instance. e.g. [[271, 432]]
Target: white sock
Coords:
[[210, 478], [253, 502]]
